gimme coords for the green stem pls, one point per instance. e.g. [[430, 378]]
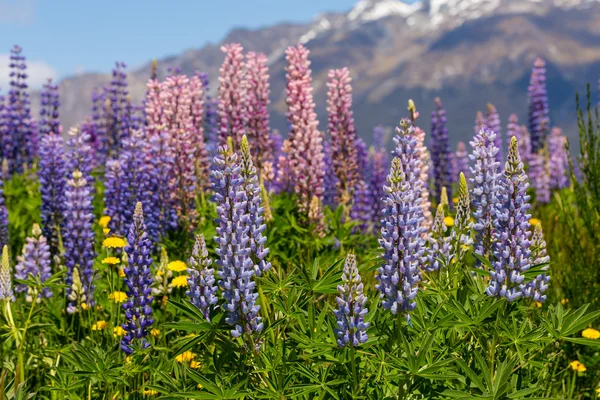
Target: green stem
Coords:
[[354, 373]]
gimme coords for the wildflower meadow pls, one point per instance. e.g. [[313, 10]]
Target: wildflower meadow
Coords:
[[181, 248]]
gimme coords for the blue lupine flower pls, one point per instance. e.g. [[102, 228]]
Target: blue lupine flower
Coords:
[[138, 278], [485, 177], [49, 115], [79, 239], [362, 206], [539, 121], [536, 288], [79, 153], [441, 154], [201, 279], [236, 269], [512, 247], [350, 315], [493, 123], [34, 261]]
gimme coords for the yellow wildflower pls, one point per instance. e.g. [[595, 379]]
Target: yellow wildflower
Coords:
[[155, 332], [578, 366], [534, 221], [598, 392], [118, 331], [195, 364], [98, 326], [104, 220], [199, 386], [180, 281], [564, 301], [177, 266], [159, 272], [121, 272], [84, 306], [538, 304], [111, 260], [150, 392], [455, 200], [114, 242], [186, 356], [117, 297], [449, 221], [106, 231], [127, 359], [590, 333], [191, 335]]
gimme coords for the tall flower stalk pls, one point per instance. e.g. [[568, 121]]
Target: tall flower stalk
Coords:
[[492, 122], [49, 112], [232, 94], [461, 235], [441, 154], [539, 120], [537, 288], [440, 247], [34, 261], [4, 237], [558, 159], [461, 161], [201, 279]]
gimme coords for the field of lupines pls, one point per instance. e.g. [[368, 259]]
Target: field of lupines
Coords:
[[181, 248]]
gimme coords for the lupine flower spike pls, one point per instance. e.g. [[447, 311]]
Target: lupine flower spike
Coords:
[[232, 94], [138, 278], [539, 285], [461, 236], [201, 279], [350, 315], [539, 121], [34, 261], [440, 247], [3, 216], [513, 233], [493, 123], [441, 155], [6, 292]]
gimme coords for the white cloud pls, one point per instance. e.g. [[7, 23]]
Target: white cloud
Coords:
[[17, 12], [38, 73]]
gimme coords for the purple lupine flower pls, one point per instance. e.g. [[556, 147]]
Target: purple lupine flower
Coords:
[[362, 206], [440, 247], [79, 153], [6, 293], [512, 236], [424, 166], [3, 217], [343, 133], [34, 261], [485, 180], [539, 118], [254, 209], [53, 185], [232, 94], [119, 110], [49, 116], [402, 226], [492, 122], [461, 161], [379, 136], [461, 234], [379, 164], [79, 240], [20, 145], [559, 159], [5, 137], [520, 132], [350, 314], [536, 288], [362, 157], [441, 154], [236, 270], [115, 195], [100, 121], [479, 122], [211, 128], [330, 179], [539, 175], [138, 279], [201, 279]]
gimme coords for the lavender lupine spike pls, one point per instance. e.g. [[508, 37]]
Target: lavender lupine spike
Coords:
[[330, 179], [211, 128], [115, 195], [492, 122], [512, 236], [485, 180], [539, 175], [49, 115], [558, 159], [99, 121], [305, 151], [441, 154], [257, 102], [6, 292], [5, 137], [440, 247], [79, 153], [402, 226], [3, 217], [479, 122], [34, 261], [461, 161], [138, 279], [350, 314], [201, 279], [379, 137], [53, 185], [119, 111], [343, 133], [236, 270], [362, 206], [362, 157], [537, 287], [79, 239], [20, 147], [254, 209], [539, 119], [379, 165], [461, 235], [520, 132], [232, 94], [424, 166]]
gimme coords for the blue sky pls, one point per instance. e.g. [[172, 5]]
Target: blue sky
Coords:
[[64, 37]]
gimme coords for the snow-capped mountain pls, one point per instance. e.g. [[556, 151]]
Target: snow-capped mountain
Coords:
[[468, 52]]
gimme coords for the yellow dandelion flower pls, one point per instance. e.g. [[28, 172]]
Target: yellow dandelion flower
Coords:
[[103, 221], [186, 356], [155, 332], [106, 231], [118, 331], [117, 297], [150, 392], [195, 364], [590, 333], [121, 272], [199, 386], [449, 221], [127, 359], [564, 301], [177, 266], [114, 242], [159, 272], [598, 392], [98, 326], [111, 260], [538, 304], [180, 281], [534, 221], [84, 306], [455, 200], [577, 366]]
